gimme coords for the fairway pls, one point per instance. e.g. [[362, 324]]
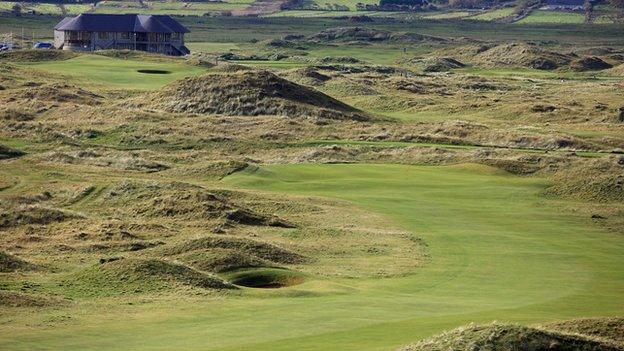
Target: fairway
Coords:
[[498, 251]]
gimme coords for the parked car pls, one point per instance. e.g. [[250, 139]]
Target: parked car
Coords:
[[41, 45], [5, 47]]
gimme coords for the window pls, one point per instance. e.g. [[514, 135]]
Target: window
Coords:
[[103, 35], [175, 36], [124, 35]]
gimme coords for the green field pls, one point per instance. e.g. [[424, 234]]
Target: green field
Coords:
[[46, 8], [170, 8], [448, 15], [212, 47], [105, 72], [498, 251], [493, 15], [541, 16]]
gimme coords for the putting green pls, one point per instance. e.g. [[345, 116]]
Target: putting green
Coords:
[[108, 72], [498, 252]]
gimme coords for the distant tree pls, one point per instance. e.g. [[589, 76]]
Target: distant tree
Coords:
[[16, 10]]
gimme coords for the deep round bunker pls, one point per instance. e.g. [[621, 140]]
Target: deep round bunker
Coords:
[[266, 278], [153, 71]]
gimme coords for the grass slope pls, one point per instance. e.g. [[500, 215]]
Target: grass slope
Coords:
[[498, 251]]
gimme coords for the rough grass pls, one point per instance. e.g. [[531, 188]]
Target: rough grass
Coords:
[[435, 64], [31, 214], [608, 329], [20, 300], [130, 276], [215, 259], [522, 55], [590, 63], [10, 263], [247, 93], [598, 180], [510, 337], [255, 251], [7, 152], [35, 55], [617, 70], [361, 34], [104, 159], [56, 92], [182, 201]]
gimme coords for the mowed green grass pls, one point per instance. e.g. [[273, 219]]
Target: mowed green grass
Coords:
[[211, 47], [170, 8], [495, 14], [106, 72], [542, 16], [498, 251]]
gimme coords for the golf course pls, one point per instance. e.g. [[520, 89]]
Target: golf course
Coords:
[[498, 251], [262, 176]]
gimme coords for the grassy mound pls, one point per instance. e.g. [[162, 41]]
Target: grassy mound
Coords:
[[14, 216], [307, 76], [337, 60], [109, 159], [589, 63], [7, 152], [436, 64], [181, 200], [611, 329], [166, 200], [222, 260], [510, 338], [18, 299], [266, 278], [617, 70], [124, 276], [251, 251], [135, 55], [35, 55], [10, 263], [522, 55], [57, 93], [247, 93], [17, 114], [360, 34], [231, 68], [599, 180], [210, 170]]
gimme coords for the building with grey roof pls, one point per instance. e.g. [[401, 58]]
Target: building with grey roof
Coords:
[[152, 33]]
